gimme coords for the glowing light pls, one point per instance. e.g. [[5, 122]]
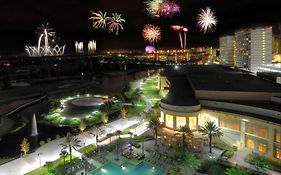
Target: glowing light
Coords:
[[99, 19], [149, 49], [159, 8], [181, 29], [79, 47], [115, 23], [206, 20], [151, 33]]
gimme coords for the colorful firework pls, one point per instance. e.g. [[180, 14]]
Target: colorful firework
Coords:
[[99, 19], [159, 8], [115, 23], [206, 20], [170, 8], [151, 33], [180, 30]]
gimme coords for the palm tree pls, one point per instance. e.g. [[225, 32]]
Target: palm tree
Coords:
[[63, 154], [211, 130], [131, 135], [109, 135], [235, 171], [190, 161], [118, 132], [155, 124], [185, 131], [70, 142]]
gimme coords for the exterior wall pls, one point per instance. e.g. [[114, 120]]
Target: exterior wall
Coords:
[[227, 50], [235, 95], [240, 135], [261, 47]]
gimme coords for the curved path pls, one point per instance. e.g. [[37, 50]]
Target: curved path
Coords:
[[50, 151]]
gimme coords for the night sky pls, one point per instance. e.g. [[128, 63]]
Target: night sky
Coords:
[[70, 18]]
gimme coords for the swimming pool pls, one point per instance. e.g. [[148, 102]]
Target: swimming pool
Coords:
[[128, 169]]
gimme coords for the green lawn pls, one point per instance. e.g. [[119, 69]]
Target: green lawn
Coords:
[[87, 149], [44, 169]]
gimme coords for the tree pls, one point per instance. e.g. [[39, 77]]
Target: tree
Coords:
[[235, 171], [24, 146], [109, 135], [70, 142], [82, 126], [63, 154], [155, 124], [211, 130], [190, 161], [118, 132], [96, 131], [123, 112], [185, 131]]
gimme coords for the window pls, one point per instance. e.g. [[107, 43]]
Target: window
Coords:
[[235, 125], [278, 153], [262, 148], [181, 121], [263, 132], [192, 122], [251, 129], [250, 144], [223, 123], [161, 119], [169, 121], [278, 137]]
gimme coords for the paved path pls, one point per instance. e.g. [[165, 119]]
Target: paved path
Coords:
[[50, 151]]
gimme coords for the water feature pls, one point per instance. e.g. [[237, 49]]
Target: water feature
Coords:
[[34, 131], [128, 169]]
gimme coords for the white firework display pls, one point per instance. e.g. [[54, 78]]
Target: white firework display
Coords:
[[206, 20]]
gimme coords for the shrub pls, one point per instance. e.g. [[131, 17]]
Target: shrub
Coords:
[[49, 140], [229, 153], [42, 142], [57, 136], [258, 161]]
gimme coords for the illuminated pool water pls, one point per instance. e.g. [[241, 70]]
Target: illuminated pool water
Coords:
[[128, 169]]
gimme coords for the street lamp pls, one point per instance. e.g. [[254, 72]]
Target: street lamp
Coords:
[[39, 156]]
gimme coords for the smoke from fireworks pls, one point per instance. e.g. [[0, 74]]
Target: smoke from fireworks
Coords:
[[159, 8], [115, 23], [99, 19], [151, 33], [206, 20]]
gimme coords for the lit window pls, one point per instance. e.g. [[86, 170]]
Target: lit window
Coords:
[[278, 153], [278, 137], [169, 121], [263, 132], [161, 119], [262, 148], [192, 122], [181, 121], [223, 123], [250, 144], [235, 125], [251, 129]]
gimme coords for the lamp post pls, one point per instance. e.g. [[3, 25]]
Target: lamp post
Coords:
[[39, 156]]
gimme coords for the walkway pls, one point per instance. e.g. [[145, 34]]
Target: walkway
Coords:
[[50, 151]]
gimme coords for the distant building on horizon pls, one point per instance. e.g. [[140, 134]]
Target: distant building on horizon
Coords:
[[252, 47]]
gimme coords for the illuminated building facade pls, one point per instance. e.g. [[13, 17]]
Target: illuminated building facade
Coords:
[[252, 47], [193, 101], [227, 50]]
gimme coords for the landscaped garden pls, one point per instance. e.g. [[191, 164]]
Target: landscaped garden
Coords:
[[89, 109]]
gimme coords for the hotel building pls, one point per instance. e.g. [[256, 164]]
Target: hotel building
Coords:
[[246, 108], [252, 47]]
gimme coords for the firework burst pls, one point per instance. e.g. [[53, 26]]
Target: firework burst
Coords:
[[151, 33], [206, 20], [99, 19], [159, 8], [115, 23]]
